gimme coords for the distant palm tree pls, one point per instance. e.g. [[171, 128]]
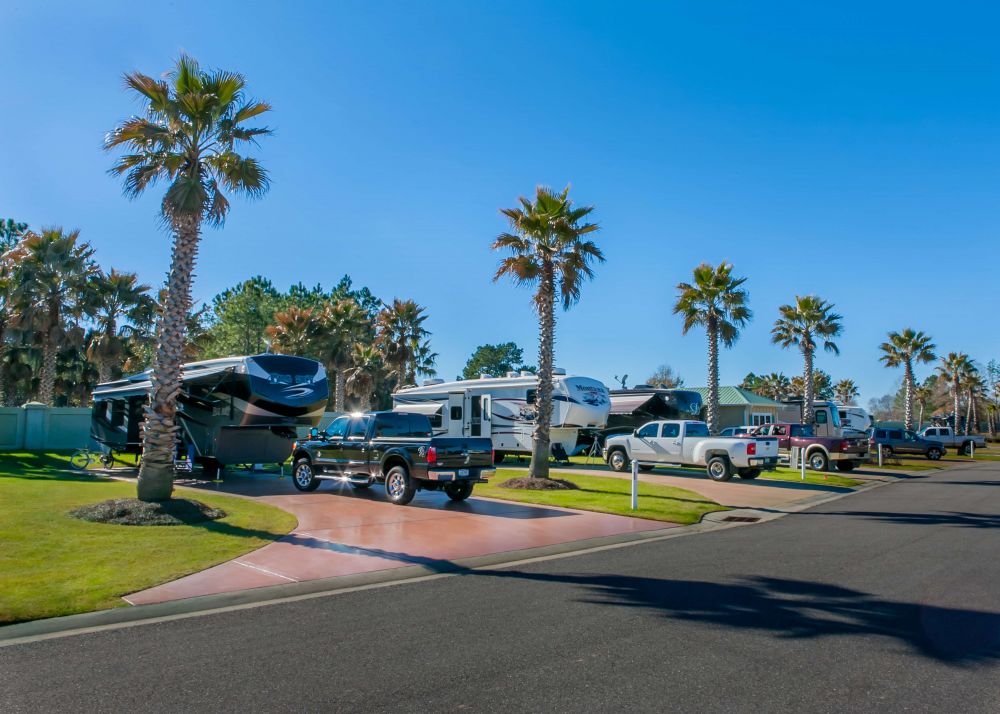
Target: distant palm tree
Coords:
[[547, 250], [346, 324], [52, 290], [11, 232], [903, 350], [190, 137], [400, 331], [846, 391], [294, 331], [119, 297], [716, 301], [954, 369], [424, 359], [975, 386], [923, 395], [364, 373], [775, 386], [811, 320]]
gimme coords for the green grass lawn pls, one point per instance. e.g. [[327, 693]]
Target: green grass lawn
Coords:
[[829, 479], [51, 564], [608, 495]]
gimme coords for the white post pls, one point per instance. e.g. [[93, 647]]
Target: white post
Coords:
[[972, 450], [802, 462], [880, 456], [635, 484]]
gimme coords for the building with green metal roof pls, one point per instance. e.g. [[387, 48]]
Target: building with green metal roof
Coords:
[[738, 407]]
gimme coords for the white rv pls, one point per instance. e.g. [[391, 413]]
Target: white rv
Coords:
[[503, 408], [855, 418]]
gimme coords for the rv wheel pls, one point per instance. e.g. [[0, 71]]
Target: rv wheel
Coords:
[[303, 476]]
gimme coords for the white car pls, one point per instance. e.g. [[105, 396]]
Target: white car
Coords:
[[687, 443]]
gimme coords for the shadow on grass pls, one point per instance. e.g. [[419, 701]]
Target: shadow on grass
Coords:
[[41, 466]]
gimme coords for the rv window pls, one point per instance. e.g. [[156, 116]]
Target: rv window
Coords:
[[456, 413], [530, 396], [821, 417], [359, 427], [338, 427], [392, 424], [436, 420], [420, 426]]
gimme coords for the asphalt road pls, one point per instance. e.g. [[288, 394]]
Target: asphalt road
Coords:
[[883, 601]]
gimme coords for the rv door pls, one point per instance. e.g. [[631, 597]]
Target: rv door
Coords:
[[456, 414], [487, 416]]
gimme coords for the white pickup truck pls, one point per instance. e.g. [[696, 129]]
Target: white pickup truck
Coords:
[[687, 443], [947, 437]]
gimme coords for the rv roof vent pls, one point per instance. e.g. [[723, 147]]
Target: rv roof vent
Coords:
[[432, 382], [486, 376], [512, 374], [558, 370], [527, 373]]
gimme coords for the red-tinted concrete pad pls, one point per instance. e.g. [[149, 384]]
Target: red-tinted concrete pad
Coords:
[[342, 532]]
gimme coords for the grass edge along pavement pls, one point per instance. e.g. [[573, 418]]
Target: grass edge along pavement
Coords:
[[608, 494], [54, 564]]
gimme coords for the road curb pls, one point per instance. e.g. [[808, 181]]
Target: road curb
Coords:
[[83, 623]]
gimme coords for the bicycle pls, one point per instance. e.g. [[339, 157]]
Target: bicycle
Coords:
[[83, 458]]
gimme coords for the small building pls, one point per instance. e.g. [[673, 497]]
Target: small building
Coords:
[[739, 407]]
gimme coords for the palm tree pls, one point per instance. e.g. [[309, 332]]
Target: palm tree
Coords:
[[810, 320], [400, 330], [346, 324], [294, 331], [954, 368], [975, 386], [424, 359], [547, 250], [846, 391], [775, 386], [51, 292], [903, 350], [717, 302], [364, 373], [118, 297], [923, 395], [190, 137]]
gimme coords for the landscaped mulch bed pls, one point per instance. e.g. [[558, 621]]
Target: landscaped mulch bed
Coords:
[[133, 512], [538, 484]]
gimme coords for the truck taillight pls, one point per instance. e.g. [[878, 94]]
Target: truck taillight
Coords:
[[432, 455], [493, 456], [845, 445], [751, 448]]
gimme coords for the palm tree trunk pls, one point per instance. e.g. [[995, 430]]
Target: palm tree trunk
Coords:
[[908, 397], [103, 371], [539, 467], [807, 374], [3, 369], [341, 388], [156, 476], [968, 411], [712, 409], [975, 412], [47, 377], [921, 415], [957, 394]]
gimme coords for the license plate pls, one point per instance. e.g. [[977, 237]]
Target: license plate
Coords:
[[463, 472]]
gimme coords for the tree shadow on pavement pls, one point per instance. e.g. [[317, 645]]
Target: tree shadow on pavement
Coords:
[[796, 609], [940, 518]]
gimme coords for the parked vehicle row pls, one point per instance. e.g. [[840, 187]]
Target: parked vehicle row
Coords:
[[903, 441], [845, 452]]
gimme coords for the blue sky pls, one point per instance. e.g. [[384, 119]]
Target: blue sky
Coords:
[[849, 150]]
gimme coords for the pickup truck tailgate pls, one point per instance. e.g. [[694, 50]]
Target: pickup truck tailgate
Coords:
[[765, 446], [459, 452]]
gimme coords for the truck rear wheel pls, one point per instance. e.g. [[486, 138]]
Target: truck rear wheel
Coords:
[[845, 466], [719, 469], [303, 475], [459, 490], [399, 486], [818, 461], [618, 460], [749, 474]]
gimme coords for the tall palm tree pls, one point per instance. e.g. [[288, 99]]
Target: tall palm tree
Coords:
[[345, 324], [775, 386], [294, 331], [954, 369], [904, 349], [52, 291], [364, 373], [975, 386], [846, 391], [190, 137], [716, 301], [119, 298], [806, 324], [548, 250], [400, 330]]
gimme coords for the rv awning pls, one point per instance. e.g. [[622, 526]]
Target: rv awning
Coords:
[[630, 403], [429, 409]]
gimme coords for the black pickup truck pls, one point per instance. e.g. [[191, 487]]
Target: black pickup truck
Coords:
[[396, 448]]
